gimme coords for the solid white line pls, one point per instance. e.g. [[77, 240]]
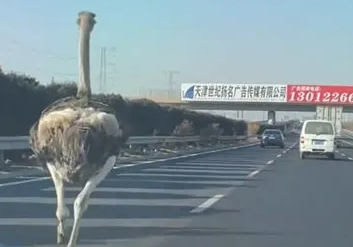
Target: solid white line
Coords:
[[105, 201], [279, 155], [126, 165], [207, 204], [350, 158], [146, 175], [91, 222], [233, 163], [28, 177], [23, 181]]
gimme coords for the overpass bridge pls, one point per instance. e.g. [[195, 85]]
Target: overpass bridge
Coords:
[[327, 101]]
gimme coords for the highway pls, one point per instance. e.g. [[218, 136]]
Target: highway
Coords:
[[248, 197]]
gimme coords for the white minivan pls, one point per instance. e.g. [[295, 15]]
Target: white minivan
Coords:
[[317, 137]]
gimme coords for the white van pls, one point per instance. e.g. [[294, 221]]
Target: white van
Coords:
[[317, 136]]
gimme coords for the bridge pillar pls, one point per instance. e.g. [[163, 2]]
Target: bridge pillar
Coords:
[[271, 117], [332, 113]]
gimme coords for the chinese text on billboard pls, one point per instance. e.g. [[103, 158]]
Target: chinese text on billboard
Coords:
[[234, 92]]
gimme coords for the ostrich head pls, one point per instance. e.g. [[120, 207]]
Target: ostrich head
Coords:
[[86, 21]]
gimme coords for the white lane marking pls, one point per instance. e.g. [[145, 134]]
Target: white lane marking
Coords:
[[343, 154], [143, 162], [233, 163], [135, 164], [269, 162], [350, 158], [186, 156], [126, 165], [98, 222], [23, 181], [207, 204], [27, 177], [336, 151], [253, 173]]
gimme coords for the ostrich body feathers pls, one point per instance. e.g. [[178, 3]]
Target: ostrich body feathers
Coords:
[[77, 135]]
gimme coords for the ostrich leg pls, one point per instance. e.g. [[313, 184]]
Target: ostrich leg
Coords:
[[62, 212], [81, 202]]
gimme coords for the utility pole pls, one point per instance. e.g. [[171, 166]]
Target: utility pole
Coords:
[[103, 70], [171, 83], [106, 67]]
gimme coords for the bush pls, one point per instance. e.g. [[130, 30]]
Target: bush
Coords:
[[22, 99]]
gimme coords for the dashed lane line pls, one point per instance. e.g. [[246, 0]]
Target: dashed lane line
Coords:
[[252, 174], [212, 200], [207, 204], [269, 162], [344, 155]]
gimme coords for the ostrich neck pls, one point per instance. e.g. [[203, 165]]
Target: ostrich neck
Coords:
[[84, 87]]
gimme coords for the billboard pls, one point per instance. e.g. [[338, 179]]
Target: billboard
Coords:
[[317, 94], [268, 93], [271, 93]]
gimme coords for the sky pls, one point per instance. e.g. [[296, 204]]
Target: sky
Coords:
[[224, 41]]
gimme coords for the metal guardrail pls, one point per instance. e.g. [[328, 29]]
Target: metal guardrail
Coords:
[[22, 142], [14, 142], [8, 143]]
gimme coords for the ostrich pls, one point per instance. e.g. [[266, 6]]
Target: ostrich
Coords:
[[77, 140]]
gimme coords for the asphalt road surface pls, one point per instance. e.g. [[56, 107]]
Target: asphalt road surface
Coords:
[[250, 197]]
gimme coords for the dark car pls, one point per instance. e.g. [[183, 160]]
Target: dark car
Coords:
[[272, 137]]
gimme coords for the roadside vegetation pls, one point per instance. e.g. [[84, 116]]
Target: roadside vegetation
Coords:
[[23, 98]]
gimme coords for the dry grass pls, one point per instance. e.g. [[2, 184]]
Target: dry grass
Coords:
[[253, 127]]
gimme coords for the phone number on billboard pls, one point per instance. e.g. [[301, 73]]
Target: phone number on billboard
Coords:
[[320, 97]]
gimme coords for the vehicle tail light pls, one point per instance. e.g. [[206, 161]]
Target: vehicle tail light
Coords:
[[302, 139]]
